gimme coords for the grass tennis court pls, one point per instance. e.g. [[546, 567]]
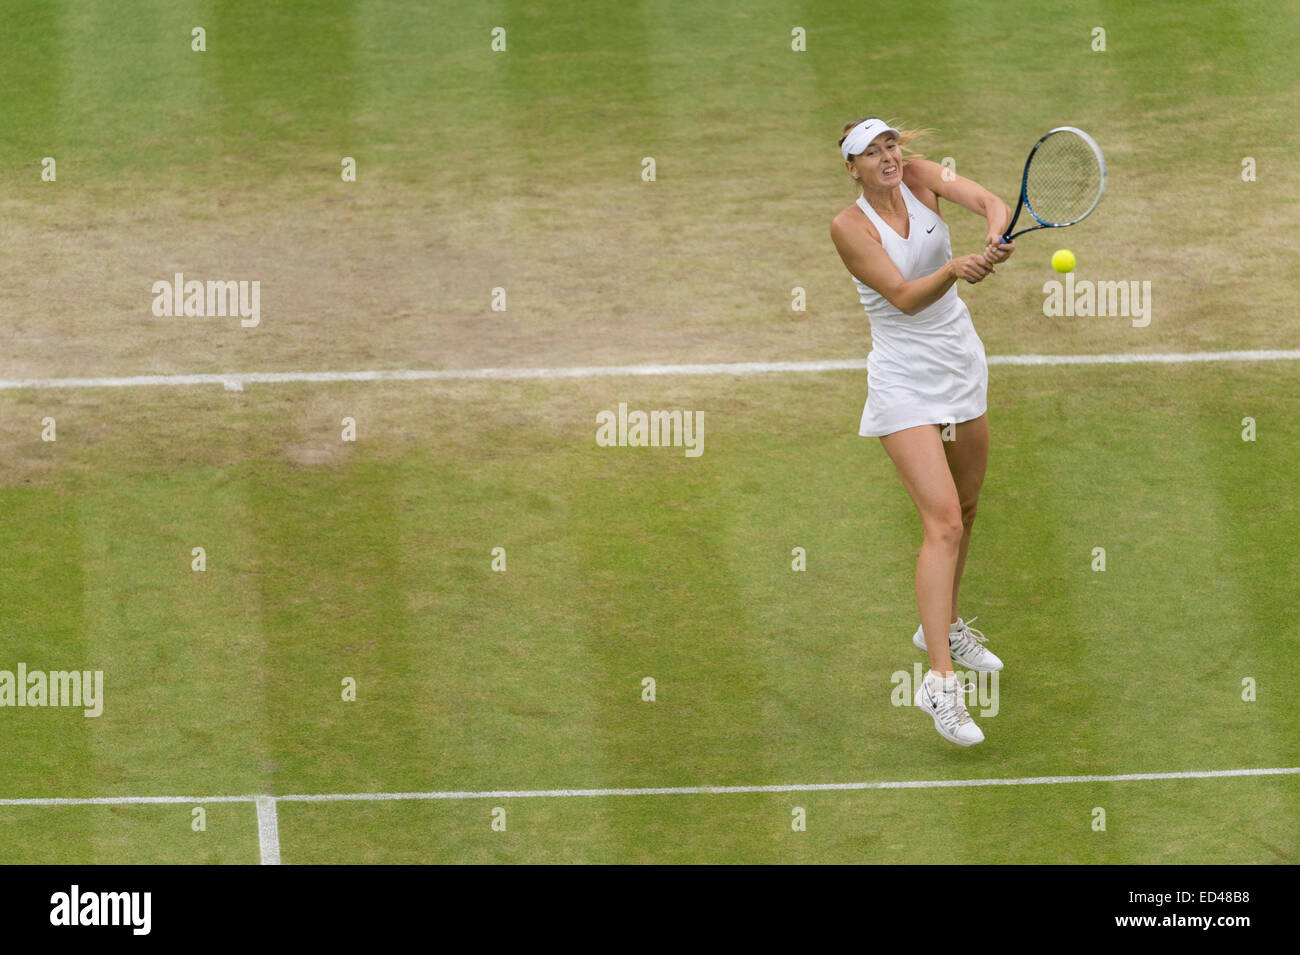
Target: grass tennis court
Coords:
[[372, 560]]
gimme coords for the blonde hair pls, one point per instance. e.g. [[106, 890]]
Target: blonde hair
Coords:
[[905, 136]]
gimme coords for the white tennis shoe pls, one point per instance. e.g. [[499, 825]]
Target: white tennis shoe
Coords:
[[964, 646], [945, 701]]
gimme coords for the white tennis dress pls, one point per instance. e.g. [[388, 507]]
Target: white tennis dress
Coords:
[[927, 368]]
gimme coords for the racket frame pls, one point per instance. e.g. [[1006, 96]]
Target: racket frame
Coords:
[[1024, 184]]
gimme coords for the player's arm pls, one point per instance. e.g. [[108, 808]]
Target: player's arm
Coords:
[[866, 259], [969, 195]]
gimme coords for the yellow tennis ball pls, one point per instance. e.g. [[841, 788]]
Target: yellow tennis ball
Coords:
[[1063, 260]]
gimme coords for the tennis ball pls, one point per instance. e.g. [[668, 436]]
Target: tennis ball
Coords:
[[1063, 260]]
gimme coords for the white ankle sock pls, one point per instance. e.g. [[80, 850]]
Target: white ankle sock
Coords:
[[938, 682]]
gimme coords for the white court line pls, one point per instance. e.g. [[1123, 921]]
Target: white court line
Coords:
[[235, 381], [270, 801], [268, 831], [796, 787], [122, 800]]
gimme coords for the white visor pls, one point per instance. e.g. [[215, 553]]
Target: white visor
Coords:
[[861, 135]]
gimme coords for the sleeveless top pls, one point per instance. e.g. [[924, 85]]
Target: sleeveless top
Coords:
[[926, 249]]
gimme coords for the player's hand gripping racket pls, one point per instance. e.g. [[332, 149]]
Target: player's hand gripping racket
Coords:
[[1064, 178]]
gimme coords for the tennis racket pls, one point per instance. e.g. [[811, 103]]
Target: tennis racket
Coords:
[[1065, 176]]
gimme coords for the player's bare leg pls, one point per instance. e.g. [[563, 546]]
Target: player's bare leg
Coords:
[[968, 456], [918, 455]]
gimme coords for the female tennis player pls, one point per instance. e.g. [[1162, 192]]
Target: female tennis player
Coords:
[[927, 378]]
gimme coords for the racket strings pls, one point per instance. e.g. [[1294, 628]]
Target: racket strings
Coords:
[[1064, 179]]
